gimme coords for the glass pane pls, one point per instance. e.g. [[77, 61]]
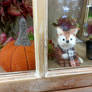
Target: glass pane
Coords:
[[89, 34], [65, 48], [90, 12], [16, 36]]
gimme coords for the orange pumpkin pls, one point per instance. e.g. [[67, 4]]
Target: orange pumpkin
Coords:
[[18, 55]]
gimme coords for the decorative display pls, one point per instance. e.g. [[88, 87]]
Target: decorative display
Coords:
[[69, 34], [10, 12], [65, 52], [18, 55]]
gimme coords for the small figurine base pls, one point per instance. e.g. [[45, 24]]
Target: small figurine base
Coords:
[[70, 62]]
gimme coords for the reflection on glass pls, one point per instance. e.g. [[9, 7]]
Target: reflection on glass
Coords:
[[65, 48], [89, 31], [90, 12]]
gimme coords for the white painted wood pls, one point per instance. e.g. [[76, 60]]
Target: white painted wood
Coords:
[[40, 32], [84, 89], [44, 80]]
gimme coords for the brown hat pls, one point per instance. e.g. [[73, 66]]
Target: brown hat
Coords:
[[66, 23]]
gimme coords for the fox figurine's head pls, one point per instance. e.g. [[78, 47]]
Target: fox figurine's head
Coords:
[[66, 39]]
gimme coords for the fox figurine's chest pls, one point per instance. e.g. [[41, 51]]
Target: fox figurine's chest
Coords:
[[70, 52]]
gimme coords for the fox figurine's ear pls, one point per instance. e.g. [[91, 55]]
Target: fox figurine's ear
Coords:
[[74, 31], [59, 30]]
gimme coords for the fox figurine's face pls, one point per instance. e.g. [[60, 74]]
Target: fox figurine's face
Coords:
[[66, 40]]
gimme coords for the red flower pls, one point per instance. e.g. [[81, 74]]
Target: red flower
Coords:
[[5, 3], [13, 11], [50, 41], [3, 38], [30, 29], [15, 8], [10, 10]]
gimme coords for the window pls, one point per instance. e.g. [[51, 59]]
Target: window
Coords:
[[45, 79]]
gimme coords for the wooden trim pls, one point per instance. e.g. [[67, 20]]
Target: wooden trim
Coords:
[[84, 89], [86, 19], [40, 34], [68, 72], [27, 83], [83, 10], [44, 80], [86, 14]]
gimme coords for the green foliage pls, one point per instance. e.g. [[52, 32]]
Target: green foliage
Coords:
[[90, 37], [31, 36], [90, 13]]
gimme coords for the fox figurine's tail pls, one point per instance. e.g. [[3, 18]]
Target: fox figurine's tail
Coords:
[[80, 60]]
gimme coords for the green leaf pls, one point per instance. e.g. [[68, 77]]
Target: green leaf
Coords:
[[31, 36]]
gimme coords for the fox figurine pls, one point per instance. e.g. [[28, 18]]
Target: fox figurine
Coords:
[[65, 51]]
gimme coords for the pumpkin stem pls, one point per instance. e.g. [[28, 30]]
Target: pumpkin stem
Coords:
[[23, 35]]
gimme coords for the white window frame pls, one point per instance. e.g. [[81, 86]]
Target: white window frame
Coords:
[[42, 79]]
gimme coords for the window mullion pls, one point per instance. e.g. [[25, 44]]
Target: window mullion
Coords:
[[40, 34]]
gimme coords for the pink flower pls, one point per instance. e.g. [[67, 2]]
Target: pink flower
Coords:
[[3, 38], [30, 29]]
